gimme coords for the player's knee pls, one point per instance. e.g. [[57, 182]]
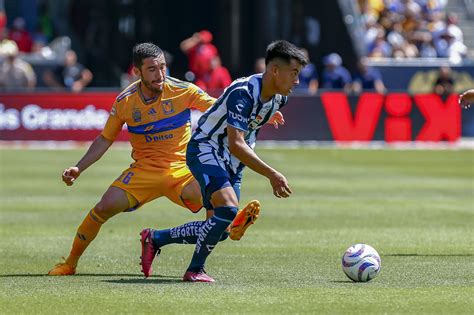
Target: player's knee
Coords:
[[226, 213], [106, 209]]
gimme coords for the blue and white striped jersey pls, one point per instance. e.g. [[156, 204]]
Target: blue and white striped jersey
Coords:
[[240, 107]]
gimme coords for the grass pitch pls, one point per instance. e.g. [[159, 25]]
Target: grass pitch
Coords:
[[415, 207]]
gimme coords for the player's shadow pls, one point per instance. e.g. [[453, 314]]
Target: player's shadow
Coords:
[[152, 280], [427, 255]]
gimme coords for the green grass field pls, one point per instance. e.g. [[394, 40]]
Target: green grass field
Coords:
[[415, 207]]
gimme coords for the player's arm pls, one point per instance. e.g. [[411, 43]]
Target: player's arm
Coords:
[[276, 120], [97, 149], [198, 99], [93, 154], [466, 98], [239, 148]]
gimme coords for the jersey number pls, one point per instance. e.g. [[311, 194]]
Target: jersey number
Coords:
[[126, 179]]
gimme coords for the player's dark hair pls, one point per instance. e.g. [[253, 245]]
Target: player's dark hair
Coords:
[[144, 50], [285, 50]]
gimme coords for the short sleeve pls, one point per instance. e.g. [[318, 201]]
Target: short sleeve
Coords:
[[113, 126], [199, 99], [239, 108]]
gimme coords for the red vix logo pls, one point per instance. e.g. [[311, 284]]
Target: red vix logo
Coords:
[[442, 120]]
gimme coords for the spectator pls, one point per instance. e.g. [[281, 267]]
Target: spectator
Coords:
[[449, 47], [367, 78], [444, 84], [335, 76], [200, 52], [217, 78], [410, 28], [453, 28], [72, 75], [259, 65], [308, 76], [14, 72], [20, 35]]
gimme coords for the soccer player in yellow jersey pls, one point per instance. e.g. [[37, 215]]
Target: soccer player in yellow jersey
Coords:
[[156, 110]]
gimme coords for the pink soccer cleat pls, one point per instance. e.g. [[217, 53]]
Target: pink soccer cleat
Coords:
[[199, 276], [148, 252]]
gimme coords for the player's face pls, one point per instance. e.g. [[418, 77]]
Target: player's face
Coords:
[[153, 73], [286, 77]]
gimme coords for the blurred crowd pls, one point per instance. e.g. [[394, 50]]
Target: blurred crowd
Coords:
[[17, 45], [410, 29], [394, 29]]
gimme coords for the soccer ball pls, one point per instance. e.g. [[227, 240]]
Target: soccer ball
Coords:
[[361, 263]]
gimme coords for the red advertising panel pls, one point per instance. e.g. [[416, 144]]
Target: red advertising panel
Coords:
[[54, 116], [332, 117]]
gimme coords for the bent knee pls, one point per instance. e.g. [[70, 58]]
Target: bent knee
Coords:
[[224, 197], [108, 208]]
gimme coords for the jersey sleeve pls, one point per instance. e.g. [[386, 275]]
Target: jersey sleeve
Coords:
[[283, 101], [198, 99], [239, 108], [114, 124]]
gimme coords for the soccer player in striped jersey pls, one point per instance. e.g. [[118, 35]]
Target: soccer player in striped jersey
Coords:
[[223, 143], [156, 110]]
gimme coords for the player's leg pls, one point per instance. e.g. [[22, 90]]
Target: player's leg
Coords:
[[225, 204], [115, 200], [185, 192], [192, 198], [246, 216], [182, 189]]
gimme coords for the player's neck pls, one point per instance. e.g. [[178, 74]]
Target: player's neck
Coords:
[[268, 89], [146, 93]]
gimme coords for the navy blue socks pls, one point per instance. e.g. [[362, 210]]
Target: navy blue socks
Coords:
[[211, 232]]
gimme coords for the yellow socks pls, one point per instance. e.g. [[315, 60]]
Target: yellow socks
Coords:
[[86, 233]]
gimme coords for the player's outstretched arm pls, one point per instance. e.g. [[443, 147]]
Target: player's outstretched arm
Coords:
[[277, 119], [93, 154], [466, 98], [239, 148]]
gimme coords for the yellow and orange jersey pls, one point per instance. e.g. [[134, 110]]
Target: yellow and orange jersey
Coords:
[[160, 128]]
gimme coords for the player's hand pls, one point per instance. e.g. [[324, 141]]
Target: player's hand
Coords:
[[280, 186], [464, 103], [277, 119], [466, 99], [70, 174]]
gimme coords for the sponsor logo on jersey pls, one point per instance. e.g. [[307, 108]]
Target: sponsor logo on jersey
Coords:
[[149, 138], [113, 111], [238, 117], [167, 107], [254, 123]]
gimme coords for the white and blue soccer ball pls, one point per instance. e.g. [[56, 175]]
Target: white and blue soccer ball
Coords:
[[361, 263]]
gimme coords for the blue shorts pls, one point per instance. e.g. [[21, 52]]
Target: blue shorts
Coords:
[[211, 173]]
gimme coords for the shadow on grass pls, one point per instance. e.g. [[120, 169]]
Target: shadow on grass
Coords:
[[27, 275], [427, 255], [151, 280]]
